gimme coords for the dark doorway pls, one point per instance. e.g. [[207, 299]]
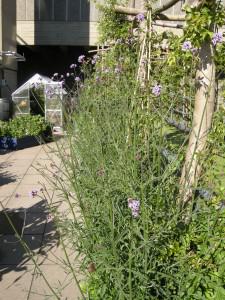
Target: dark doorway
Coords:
[[48, 60]]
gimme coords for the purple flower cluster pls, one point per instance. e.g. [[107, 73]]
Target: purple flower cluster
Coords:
[[94, 59], [134, 205], [73, 66], [81, 59], [50, 217], [140, 17], [217, 38], [187, 46], [156, 90], [77, 79], [33, 193]]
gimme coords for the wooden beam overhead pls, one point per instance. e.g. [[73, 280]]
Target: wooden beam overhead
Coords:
[[129, 10], [159, 16]]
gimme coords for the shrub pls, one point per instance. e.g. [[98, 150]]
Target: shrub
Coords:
[[4, 128], [26, 125]]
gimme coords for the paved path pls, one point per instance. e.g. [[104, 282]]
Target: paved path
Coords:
[[19, 278]]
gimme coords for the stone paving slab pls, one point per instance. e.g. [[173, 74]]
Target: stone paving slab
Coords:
[[32, 178], [16, 281], [61, 281], [8, 190]]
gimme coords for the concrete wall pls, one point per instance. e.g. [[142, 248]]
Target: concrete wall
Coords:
[[57, 22], [8, 42], [64, 22]]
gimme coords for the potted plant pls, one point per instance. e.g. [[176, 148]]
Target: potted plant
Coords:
[[22, 131]]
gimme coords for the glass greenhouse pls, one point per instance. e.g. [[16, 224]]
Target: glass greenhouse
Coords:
[[40, 95]]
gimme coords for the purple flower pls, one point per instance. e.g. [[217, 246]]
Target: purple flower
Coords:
[[94, 60], [217, 38], [67, 74], [97, 79], [140, 17], [61, 76], [134, 205], [81, 58], [50, 217], [33, 193], [156, 90], [186, 46], [77, 79], [73, 66], [117, 70]]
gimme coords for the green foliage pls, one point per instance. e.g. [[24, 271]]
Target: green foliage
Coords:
[[214, 163], [201, 22], [220, 59], [107, 171], [115, 154], [26, 125], [4, 128], [115, 143], [113, 26]]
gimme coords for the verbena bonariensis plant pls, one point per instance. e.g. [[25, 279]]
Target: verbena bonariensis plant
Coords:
[[122, 192]]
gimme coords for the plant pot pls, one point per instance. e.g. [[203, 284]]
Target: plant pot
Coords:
[[8, 143]]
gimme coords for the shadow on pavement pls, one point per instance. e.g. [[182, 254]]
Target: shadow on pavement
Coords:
[[36, 228], [5, 176]]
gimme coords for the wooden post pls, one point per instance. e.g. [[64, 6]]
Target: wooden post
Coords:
[[202, 121]]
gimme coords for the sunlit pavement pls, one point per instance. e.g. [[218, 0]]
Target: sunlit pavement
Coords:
[[22, 197]]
